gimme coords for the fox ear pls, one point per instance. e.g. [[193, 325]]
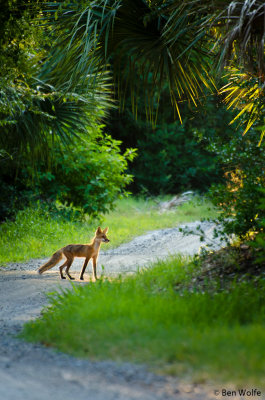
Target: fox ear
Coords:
[[99, 230], [106, 230]]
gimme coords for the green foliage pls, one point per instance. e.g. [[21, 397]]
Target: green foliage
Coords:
[[172, 157], [171, 160], [259, 238], [40, 115], [241, 47], [138, 37], [239, 196], [165, 41], [149, 321], [36, 109], [244, 92], [19, 39], [88, 174], [22, 51]]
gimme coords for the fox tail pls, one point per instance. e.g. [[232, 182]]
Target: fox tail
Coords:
[[55, 258]]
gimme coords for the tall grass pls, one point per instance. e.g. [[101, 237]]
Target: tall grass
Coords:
[[144, 319], [36, 232]]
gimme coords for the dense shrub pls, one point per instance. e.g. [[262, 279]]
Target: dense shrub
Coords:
[[172, 157], [90, 174], [259, 238], [13, 196], [171, 160], [239, 197]]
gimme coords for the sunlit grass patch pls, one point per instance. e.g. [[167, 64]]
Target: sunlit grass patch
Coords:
[[36, 232], [144, 319], [135, 216]]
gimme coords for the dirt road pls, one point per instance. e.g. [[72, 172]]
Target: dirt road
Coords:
[[33, 372]]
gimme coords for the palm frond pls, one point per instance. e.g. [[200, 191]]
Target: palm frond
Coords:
[[77, 30], [244, 92], [155, 40], [38, 114]]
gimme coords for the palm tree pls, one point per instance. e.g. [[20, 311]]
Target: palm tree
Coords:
[[36, 106], [242, 50], [182, 42], [156, 39], [135, 37]]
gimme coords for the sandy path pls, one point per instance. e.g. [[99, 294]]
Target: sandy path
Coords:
[[32, 372]]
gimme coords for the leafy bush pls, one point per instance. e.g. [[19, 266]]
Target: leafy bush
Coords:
[[259, 239], [88, 174], [239, 198]]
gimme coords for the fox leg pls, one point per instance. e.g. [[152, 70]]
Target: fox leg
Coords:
[[69, 263], [95, 268], [61, 269], [84, 268], [66, 264]]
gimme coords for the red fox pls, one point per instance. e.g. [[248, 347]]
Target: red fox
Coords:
[[71, 251]]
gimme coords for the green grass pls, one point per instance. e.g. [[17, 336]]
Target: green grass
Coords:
[[144, 319], [135, 216], [36, 233]]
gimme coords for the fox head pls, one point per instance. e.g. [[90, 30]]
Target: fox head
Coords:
[[101, 234]]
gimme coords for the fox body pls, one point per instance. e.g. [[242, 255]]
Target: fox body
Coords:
[[71, 251]]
